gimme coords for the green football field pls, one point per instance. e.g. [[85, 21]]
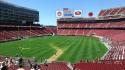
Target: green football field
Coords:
[[74, 48]]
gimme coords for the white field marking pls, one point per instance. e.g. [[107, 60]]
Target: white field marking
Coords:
[[24, 48]]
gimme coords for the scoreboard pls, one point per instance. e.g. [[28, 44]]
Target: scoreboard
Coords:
[[68, 13]]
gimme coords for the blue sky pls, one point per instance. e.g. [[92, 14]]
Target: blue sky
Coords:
[[47, 8]]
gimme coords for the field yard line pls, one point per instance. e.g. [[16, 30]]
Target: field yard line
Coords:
[[57, 54]]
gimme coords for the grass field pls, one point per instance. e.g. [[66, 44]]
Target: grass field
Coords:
[[74, 48]]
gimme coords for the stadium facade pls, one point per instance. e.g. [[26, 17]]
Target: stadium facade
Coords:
[[18, 22], [16, 15], [108, 19]]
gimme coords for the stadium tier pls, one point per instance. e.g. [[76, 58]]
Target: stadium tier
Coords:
[[112, 13], [12, 33], [100, 65], [82, 65]]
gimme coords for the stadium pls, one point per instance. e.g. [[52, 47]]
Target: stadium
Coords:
[[76, 43]]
